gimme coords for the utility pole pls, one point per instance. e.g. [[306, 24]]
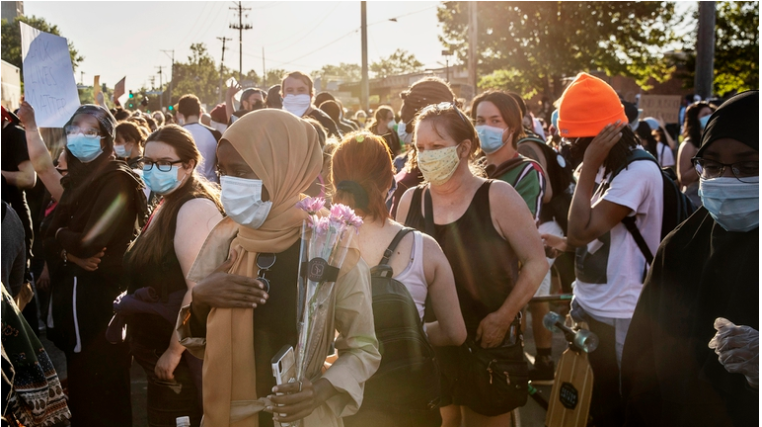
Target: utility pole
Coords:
[[161, 89], [705, 49], [240, 26], [364, 86], [153, 82], [81, 78], [222, 60], [264, 73], [472, 45], [171, 72]]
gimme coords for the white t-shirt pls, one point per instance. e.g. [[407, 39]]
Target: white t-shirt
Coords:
[[610, 269], [666, 157], [207, 146]]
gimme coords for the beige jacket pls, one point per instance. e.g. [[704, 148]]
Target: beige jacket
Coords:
[[352, 317]]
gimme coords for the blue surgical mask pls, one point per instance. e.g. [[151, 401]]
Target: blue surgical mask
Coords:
[[242, 200], [490, 138], [121, 151], [85, 148], [704, 120], [733, 204], [405, 137], [161, 182]]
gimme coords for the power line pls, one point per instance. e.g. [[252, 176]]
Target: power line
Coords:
[[240, 27], [311, 30]]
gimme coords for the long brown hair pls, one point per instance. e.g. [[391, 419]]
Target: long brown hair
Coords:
[[153, 244], [375, 176]]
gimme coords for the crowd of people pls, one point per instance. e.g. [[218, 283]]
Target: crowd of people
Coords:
[[174, 241]]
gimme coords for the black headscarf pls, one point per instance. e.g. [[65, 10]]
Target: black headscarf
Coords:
[[738, 118]]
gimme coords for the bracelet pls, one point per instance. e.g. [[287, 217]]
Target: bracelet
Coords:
[[64, 256]]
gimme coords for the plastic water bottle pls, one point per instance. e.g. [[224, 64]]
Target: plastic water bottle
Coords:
[[182, 422]]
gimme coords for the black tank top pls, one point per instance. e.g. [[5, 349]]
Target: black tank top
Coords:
[[483, 263], [166, 277]]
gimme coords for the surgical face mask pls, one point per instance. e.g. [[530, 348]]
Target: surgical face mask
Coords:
[[242, 200], [490, 138], [405, 137], [733, 204], [437, 166], [85, 148], [161, 182], [703, 121], [180, 120], [296, 104], [391, 125], [121, 150]]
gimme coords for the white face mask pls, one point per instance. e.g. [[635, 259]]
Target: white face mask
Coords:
[[296, 104], [121, 151], [437, 166], [242, 200], [733, 204]]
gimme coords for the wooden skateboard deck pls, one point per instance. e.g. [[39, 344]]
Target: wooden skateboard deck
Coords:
[[569, 403]]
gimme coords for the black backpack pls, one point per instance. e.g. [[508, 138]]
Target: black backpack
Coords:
[[677, 206], [408, 378]]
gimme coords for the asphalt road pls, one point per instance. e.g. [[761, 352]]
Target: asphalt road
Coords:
[[530, 415]]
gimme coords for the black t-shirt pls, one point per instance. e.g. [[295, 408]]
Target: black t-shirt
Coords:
[[237, 115], [14, 152], [327, 122]]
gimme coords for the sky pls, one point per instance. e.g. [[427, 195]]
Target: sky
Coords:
[[120, 39]]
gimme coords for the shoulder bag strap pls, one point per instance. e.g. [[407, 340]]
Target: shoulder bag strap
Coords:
[[393, 245]]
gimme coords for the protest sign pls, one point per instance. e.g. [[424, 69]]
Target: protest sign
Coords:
[[664, 106], [49, 84]]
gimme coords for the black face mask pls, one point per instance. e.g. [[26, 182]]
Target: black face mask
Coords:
[[577, 149]]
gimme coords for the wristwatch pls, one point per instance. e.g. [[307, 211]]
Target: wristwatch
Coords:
[[63, 255]]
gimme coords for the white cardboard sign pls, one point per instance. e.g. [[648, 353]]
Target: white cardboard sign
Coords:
[[49, 84]]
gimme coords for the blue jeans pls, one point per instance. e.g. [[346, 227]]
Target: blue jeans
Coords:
[[168, 400]]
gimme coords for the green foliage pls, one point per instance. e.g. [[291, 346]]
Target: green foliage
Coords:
[[274, 77], [736, 50], [199, 76], [399, 62], [535, 44], [11, 39], [342, 72]]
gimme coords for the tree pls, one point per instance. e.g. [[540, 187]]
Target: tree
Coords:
[[11, 40], [736, 49], [531, 46], [342, 72], [274, 77], [399, 62]]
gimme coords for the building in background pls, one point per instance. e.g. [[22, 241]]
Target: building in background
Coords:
[[12, 9]]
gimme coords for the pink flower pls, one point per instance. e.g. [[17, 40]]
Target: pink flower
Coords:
[[311, 205], [322, 226]]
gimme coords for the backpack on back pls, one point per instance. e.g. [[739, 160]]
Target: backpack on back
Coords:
[[677, 206], [408, 378]]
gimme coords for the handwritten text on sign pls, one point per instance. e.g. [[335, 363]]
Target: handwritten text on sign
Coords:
[[49, 84]]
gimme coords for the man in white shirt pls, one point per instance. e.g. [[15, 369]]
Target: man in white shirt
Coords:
[[206, 138], [610, 266]]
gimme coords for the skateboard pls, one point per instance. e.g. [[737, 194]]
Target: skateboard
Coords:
[[569, 403]]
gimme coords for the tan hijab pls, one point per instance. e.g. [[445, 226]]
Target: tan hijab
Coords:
[[284, 152]]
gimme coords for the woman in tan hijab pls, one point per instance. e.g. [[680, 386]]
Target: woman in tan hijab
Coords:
[[237, 323]]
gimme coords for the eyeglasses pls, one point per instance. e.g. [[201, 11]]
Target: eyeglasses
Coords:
[[161, 165], [444, 106], [74, 130], [743, 171], [265, 261]]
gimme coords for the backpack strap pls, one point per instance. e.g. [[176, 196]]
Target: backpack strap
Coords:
[[393, 245], [629, 223], [428, 211]]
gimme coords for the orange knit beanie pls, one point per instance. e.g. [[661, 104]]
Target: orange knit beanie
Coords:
[[587, 106]]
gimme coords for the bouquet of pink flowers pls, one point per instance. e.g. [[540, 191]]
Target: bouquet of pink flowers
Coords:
[[325, 241]]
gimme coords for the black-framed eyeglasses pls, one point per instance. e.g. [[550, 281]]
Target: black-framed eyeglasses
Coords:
[[444, 106], [161, 165], [743, 171], [265, 261]]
